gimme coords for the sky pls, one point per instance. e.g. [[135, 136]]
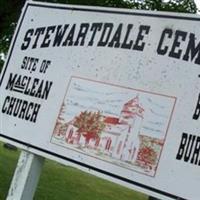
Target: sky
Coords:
[[197, 3], [83, 95]]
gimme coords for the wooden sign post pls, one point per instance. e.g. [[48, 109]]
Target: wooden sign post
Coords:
[[26, 176]]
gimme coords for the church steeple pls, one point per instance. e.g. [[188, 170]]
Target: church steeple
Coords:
[[130, 110], [132, 114]]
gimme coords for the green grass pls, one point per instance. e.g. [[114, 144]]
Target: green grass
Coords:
[[58, 182], [8, 160]]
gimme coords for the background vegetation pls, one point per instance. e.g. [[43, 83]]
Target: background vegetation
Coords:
[[59, 182]]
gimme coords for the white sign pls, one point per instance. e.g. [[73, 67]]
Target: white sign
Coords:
[[111, 90]]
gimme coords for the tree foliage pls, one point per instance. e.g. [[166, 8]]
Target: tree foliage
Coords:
[[185, 6], [11, 9], [89, 124], [9, 13]]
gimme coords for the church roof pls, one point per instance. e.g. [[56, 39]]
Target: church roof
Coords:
[[111, 120], [133, 102]]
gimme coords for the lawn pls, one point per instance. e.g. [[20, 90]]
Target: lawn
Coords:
[[59, 182]]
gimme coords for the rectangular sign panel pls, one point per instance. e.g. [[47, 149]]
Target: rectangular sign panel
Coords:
[[114, 91]]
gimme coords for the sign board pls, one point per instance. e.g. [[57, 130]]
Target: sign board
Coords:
[[114, 91]]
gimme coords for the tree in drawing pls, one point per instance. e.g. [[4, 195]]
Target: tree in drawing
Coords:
[[89, 124], [59, 127]]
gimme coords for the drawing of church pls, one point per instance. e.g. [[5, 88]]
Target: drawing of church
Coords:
[[118, 139], [122, 126]]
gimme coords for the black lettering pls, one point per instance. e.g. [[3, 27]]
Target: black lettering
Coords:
[[189, 147], [35, 113], [4, 108], [17, 107], [38, 33], [27, 89], [143, 30], [179, 36], [162, 50], [195, 157], [95, 27], [39, 91], [82, 34], [69, 39], [29, 63], [46, 89], [35, 83], [23, 109], [59, 35], [11, 82], [197, 110], [27, 39], [46, 40], [192, 50], [116, 38], [105, 36], [28, 115], [19, 80], [125, 43], [11, 106], [24, 62], [181, 149]]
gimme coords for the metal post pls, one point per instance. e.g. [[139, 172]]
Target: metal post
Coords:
[[152, 198], [25, 179]]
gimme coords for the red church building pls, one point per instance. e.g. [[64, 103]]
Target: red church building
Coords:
[[120, 137]]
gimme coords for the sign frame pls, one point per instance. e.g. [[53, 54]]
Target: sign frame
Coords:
[[52, 155]]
